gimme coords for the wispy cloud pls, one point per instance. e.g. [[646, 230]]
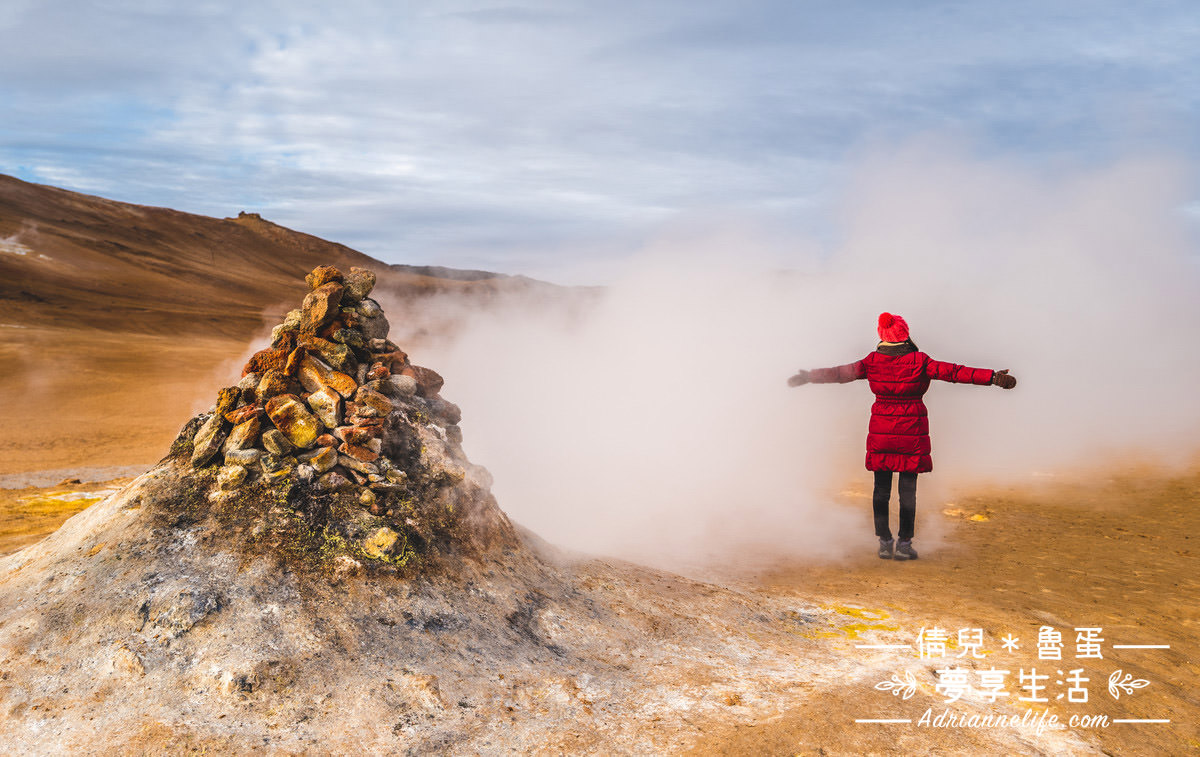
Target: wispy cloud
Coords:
[[505, 136]]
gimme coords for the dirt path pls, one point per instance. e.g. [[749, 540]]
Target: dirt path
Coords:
[[1118, 554]]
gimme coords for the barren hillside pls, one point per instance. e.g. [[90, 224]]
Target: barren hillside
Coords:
[[91, 287]]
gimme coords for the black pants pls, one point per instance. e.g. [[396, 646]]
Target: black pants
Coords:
[[908, 503]]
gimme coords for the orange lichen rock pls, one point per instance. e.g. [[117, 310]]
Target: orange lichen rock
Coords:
[[429, 382], [291, 417], [323, 274], [320, 307]]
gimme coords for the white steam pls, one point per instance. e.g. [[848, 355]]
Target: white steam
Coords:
[[12, 245], [656, 424]]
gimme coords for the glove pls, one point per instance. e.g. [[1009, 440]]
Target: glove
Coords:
[[1003, 380], [801, 378]]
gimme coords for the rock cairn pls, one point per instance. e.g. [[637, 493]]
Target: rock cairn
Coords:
[[335, 408]]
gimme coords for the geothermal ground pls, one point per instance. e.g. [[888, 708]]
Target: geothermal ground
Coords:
[[755, 664], [142, 626]]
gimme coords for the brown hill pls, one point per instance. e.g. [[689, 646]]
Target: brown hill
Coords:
[[74, 260], [115, 316]]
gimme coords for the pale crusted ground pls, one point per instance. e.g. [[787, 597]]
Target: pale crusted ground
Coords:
[[115, 638], [115, 635]]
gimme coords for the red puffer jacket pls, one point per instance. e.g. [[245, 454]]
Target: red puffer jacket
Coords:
[[898, 437]]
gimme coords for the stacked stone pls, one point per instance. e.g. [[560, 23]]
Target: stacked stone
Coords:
[[330, 402]]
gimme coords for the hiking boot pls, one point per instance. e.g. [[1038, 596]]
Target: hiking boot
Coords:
[[904, 551], [885, 549]]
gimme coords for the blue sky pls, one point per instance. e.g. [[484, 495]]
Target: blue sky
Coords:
[[528, 137]]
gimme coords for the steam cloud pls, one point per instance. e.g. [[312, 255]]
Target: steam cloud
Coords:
[[656, 424], [12, 244]]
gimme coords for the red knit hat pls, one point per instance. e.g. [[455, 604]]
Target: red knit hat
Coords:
[[892, 328]]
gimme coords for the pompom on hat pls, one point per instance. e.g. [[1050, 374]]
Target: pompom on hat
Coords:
[[892, 328]]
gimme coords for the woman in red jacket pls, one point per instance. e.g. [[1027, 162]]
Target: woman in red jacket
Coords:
[[898, 437]]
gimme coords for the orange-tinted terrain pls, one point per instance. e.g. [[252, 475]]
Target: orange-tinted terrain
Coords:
[[116, 320]]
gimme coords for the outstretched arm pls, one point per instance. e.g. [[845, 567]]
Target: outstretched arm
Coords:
[[962, 374], [840, 374]]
